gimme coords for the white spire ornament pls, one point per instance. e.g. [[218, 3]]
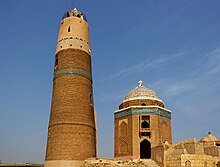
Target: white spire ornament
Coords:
[[140, 83]]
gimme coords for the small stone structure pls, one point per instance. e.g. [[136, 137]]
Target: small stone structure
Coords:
[[189, 153]]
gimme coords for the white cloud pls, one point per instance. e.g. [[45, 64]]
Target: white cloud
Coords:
[[197, 94], [192, 94], [149, 63], [213, 63], [201, 79]]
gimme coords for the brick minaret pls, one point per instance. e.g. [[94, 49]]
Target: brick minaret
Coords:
[[71, 131]]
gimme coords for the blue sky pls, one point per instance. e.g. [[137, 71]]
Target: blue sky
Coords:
[[172, 45]]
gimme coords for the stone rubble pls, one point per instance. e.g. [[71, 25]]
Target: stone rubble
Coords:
[[105, 162]]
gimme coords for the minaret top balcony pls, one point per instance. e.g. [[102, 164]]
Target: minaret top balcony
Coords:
[[75, 13]]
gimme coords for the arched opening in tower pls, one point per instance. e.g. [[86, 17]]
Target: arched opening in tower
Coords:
[[187, 163], [218, 164], [145, 124], [145, 149], [143, 104]]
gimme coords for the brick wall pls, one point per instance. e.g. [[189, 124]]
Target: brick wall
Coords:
[[71, 132], [140, 102]]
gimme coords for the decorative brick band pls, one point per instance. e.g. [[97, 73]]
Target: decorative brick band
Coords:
[[73, 123], [72, 71], [144, 110], [73, 42]]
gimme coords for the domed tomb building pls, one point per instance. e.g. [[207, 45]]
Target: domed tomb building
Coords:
[[142, 122]]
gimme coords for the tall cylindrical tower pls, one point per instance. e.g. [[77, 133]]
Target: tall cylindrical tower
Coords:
[[71, 131]]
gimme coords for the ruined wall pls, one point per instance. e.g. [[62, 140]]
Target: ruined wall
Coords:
[[158, 155], [173, 161], [107, 162], [191, 160], [199, 160], [191, 153]]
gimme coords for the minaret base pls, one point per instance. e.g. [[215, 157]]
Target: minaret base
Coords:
[[63, 163]]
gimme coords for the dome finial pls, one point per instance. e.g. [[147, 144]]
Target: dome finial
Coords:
[[140, 83]]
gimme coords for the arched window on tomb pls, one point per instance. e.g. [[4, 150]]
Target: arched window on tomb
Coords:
[[145, 124], [123, 130], [187, 163], [145, 149], [123, 149], [69, 29], [143, 104]]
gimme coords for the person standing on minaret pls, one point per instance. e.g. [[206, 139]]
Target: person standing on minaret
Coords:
[[72, 130]]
